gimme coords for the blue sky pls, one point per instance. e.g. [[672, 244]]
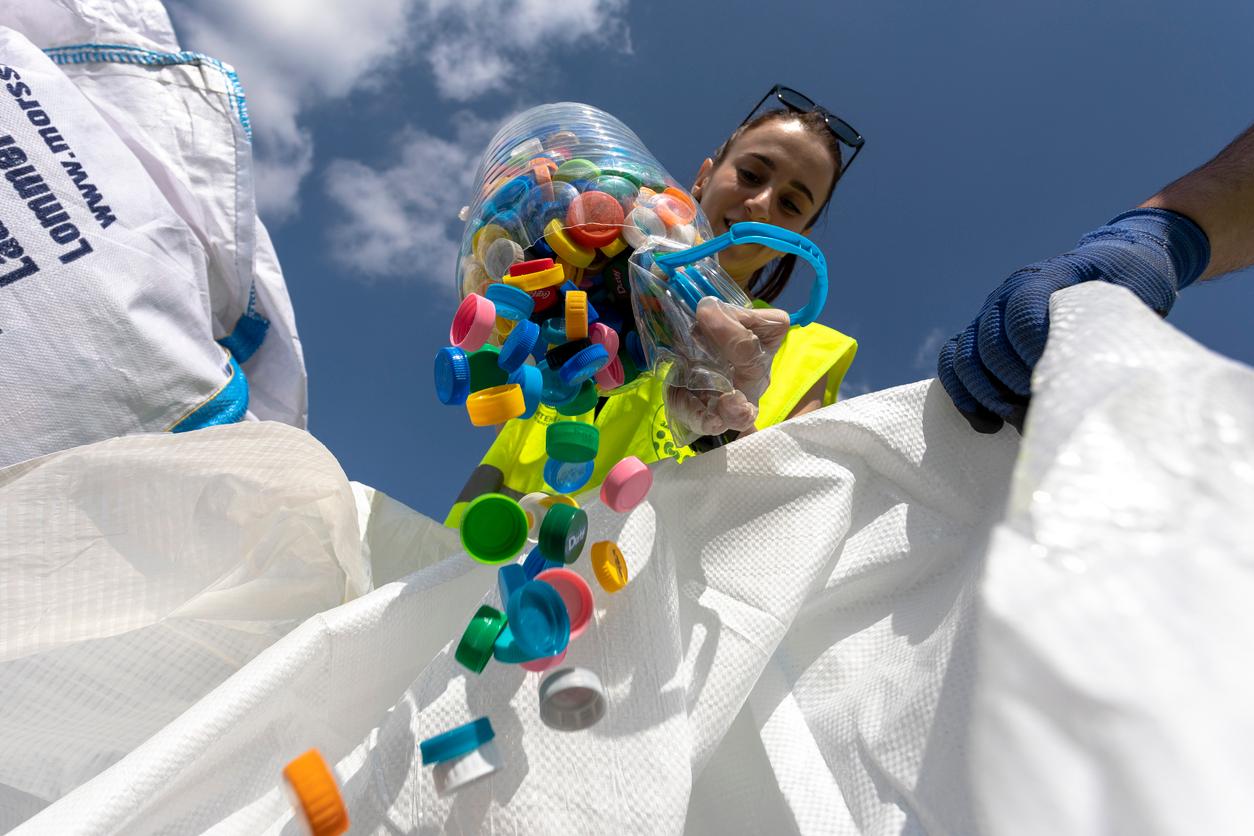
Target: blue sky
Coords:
[[997, 134]]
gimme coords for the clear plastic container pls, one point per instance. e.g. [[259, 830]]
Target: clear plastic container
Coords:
[[571, 183]]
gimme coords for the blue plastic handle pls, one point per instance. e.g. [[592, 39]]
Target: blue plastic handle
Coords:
[[752, 232]]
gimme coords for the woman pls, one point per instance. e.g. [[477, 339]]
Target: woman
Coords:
[[779, 168]]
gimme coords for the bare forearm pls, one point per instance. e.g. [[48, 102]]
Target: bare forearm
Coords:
[[1219, 197]]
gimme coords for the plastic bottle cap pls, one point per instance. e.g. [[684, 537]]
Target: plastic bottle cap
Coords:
[[538, 620], [572, 699], [563, 533], [609, 566], [495, 405], [504, 327], [484, 238], [508, 578], [614, 247], [529, 379], [557, 356], [456, 742], [584, 365], [506, 650], [315, 796], [485, 369], [576, 314], [452, 376], [576, 594], [493, 528], [556, 391], [538, 280], [473, 322], [685, 234], [594, 219], [611, 377], [584, 402], [536, 265], [575, 254], [544, 298], [499, 255], [475, 648], [642, 222], [605, 336], [519, 345], [544, 663], [451, 775], [577, 169], [572, 441], [534, 564], [511, 302], [674, 210], [558, 499], [567, 477], [626, 485]]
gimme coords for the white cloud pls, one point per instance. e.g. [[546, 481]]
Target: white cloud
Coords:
[[925, 356], [401, 221], [294, 54]]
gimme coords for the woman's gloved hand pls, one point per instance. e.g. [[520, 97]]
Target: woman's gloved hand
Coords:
[[987, 369], [745, 341]]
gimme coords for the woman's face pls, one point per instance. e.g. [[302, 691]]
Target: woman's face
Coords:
[[778, 173]]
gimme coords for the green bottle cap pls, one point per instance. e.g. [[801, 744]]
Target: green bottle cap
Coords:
[[475, 648], [563, 532], [494, 528], [572, 441], [485, 370]]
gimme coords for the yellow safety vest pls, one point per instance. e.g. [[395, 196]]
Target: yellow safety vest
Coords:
[[634, 423]]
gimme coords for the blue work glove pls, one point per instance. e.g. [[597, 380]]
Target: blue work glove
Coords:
[[987, 369]]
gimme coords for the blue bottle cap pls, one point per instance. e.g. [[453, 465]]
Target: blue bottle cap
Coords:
[[584, 365], [518, 345], [537, 619], [511, 302], [534, 564], [508, 195], [636, 350], [539, 249], [507, 651], [553, 332], [456, 742], [556, 391], [567, 477], [532, 383], [509, 577], [452, 376]]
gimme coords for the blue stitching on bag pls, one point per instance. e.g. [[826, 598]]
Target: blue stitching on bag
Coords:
[[122, 54]]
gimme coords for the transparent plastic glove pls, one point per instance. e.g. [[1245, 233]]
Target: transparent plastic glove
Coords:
[[742, 340]]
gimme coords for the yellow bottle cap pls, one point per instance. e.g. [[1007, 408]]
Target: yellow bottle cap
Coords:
[[315, 795], [495, 405], [614, 247], [565, 247], [504, 326], [609, 565], [558, 499], [538, 280], [576, 314]]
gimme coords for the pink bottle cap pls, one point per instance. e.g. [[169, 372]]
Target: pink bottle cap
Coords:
[[544, 663], [473, 323], [575, 594], [626, 484], [604, 335], [611, 376]]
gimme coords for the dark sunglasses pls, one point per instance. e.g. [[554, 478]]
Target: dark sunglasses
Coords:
[[801, 103]]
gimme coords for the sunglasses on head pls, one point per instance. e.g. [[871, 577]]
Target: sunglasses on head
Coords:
[[801, 103]]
